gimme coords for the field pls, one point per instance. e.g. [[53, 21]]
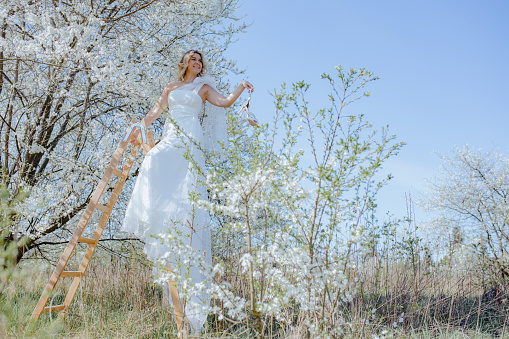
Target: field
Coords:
[[394, 300]]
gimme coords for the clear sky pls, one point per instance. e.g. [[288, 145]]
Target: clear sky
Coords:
[[443, 68]]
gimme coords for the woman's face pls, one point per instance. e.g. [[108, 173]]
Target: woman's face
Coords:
[[195, 65]]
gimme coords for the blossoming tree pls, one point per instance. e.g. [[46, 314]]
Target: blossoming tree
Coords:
[[72, 74], [472, 195]]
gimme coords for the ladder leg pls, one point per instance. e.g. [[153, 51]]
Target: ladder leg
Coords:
[[177, 306], [57, 272], [70, 296]]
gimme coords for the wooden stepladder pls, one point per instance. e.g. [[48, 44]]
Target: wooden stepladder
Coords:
[[144, 141]]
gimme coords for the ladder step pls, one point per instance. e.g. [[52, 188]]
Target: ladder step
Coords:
[[118, 173], [75, 274], [87, 240], [56, 308], [103, 208]]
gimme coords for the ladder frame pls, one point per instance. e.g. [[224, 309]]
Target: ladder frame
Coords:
[[144, 141]]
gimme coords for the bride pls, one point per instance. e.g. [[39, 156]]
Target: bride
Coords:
[[161, 196]]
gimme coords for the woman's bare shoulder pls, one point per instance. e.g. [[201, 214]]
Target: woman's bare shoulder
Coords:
[[206, 88], [171, 86]]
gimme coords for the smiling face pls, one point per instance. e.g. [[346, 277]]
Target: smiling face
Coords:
[[195, 64], [191, 64]]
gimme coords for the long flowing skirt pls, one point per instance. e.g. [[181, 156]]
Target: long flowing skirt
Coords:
[[160, 204]]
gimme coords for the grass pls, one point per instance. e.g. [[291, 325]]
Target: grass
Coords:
[[434, 299], [118, 300], [112, 302]]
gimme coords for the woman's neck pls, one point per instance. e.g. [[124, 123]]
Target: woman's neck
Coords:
[[189, 78]]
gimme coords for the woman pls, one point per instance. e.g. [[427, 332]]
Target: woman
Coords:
[[161, 196]]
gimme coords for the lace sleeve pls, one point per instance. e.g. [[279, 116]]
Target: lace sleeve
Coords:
[[215, 132]]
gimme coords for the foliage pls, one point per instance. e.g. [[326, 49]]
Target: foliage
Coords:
[[296, 201], [8, 249], [72, 74]]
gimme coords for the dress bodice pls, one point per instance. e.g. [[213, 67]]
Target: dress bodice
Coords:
[[184, 107], [185, 101]]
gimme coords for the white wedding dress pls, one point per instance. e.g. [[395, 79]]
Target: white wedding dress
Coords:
[[161, 196]]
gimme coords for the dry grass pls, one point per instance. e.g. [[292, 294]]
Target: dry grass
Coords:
[[114, 301], [118, 300], [432, 300]]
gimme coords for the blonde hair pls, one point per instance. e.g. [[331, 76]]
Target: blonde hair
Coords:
[[184, 63]]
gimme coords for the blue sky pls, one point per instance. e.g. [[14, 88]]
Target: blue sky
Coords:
[[443, 68]]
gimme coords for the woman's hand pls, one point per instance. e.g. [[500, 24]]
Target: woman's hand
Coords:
[[247, 85], [134, 136], [219, 100]]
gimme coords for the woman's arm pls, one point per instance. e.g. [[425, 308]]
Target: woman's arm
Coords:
[[159, 107], [156, 111], [220, 100]]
